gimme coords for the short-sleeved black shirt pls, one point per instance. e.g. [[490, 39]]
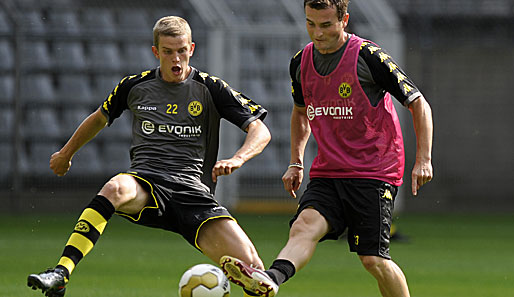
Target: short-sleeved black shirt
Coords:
[[175, 126]]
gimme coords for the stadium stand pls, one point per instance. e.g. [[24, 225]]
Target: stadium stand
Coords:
[[253, 43]]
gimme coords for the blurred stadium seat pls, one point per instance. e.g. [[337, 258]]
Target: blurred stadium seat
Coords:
[[36, 55], [34, 22], [99, 22], [36, 160], [86, 161], [6, 88], [74, 89], [41, 123], [72, 117], [139, 57], [69, 56], [5, 23], [104, 56], [103, 85], [64, 21], [6, 124], [134, 21], [6, 157], [37, 88], [6, 55]]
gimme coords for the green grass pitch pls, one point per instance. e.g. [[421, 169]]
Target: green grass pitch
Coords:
[[448, 256]]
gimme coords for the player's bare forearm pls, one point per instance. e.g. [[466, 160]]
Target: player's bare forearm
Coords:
[[423, 126], [257, 138], [60, 162], [86, 131], [300, 132]]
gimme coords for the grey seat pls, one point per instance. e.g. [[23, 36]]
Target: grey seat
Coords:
[[104, 56], [5, 23], [6, 55], [74, 89], [36, 55], [86, 161], [41, 123], [6, 157], [139, 57], [36, 161], [69, 55], [134, 21], [34, 22], [37, 88], [6, 88], [6, 123], [64, 21], [99, 22], [72, 118], [103, 85]]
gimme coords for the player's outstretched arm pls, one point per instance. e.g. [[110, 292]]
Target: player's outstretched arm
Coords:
[[257, 138], [422, 172], [300, 132], [60, 161]]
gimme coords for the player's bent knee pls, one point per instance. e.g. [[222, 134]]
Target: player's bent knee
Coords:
[[119, 190]]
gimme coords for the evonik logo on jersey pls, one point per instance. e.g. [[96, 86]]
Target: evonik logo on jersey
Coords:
[[182, 131], [336, 112]]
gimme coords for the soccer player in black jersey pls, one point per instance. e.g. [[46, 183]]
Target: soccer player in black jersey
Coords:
[[342, 87], [174, 168]]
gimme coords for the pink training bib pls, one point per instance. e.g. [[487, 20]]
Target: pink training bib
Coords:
[[355, 139]]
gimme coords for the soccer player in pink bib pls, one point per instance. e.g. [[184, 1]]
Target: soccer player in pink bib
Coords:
[[342, 87]]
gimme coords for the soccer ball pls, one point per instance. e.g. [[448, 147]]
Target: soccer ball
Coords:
[[204, 280]]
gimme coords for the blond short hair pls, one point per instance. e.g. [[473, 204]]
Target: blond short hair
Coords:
[[171, 26]]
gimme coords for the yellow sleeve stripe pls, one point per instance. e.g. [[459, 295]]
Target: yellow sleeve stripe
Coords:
[[82, 243], [94, 218]]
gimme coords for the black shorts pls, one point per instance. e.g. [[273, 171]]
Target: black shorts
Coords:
[[180, 207], [363, 206]]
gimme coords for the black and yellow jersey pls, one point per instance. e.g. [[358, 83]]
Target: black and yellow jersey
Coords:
[[175, 126], [377, 71]]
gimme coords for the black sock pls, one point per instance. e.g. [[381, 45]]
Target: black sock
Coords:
[[281, 270]]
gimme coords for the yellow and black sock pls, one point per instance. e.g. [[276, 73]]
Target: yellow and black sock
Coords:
[[88, 229]]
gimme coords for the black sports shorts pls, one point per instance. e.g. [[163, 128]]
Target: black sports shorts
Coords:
[[363, 206], [180, 207]]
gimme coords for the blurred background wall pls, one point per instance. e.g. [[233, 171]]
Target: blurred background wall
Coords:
[[59, 59]]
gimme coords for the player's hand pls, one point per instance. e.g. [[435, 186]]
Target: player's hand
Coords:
[[292, 180], [226, 167], [422, 173], [59, 163]]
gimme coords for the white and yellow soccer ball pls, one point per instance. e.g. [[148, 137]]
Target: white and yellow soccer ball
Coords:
[[204, 280]]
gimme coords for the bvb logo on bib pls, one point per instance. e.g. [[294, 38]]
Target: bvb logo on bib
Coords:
[[195, 108], [345, 90]]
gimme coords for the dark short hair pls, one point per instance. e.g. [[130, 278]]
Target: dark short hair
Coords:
[[340, 5]]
